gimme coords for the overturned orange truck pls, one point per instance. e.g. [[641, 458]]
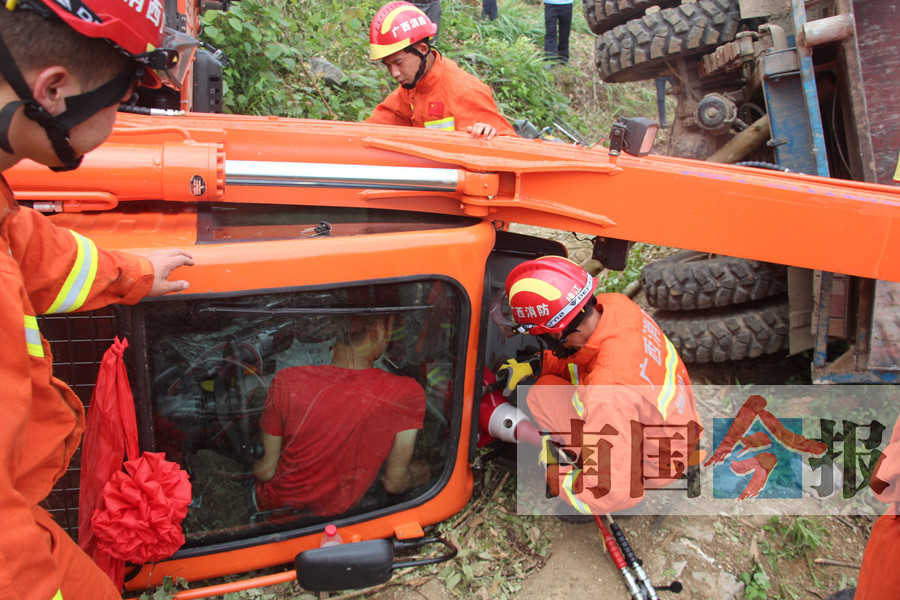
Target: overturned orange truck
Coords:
[[296, 225]]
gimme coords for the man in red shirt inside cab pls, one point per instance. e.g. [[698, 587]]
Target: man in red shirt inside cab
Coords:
[[328, 430], [434, 92], [610, 386]]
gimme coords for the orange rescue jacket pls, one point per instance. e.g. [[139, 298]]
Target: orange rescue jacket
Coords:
[[629, 380], [879, 577], [446, 98], [43, 269]]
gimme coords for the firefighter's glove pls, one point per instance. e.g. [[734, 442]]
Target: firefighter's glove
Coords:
[[514, 371]]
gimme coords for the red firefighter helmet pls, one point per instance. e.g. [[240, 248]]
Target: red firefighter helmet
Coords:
[[137, 29], [547, 293], [398, 25]]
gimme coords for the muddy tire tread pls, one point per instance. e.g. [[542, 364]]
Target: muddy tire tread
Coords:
[[603, 15], [690, 281], [728, 334], [639, 49]]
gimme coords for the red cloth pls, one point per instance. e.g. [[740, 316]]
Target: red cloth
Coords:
[[140, 519], [629, 351], [110, 435], [337, 427], [126, 517], [446, 91], [42, 418]]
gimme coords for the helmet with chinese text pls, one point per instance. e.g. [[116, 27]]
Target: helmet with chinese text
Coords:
[[398, 25], [136, 30], [546, 294]]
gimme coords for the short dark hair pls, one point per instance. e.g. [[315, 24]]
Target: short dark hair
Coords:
[[36, 43]]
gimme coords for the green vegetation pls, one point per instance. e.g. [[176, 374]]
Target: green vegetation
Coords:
[[170, 586], [756, 583], [507, 53], [484, 567], [272, 47], [269, 46], [799, 538]]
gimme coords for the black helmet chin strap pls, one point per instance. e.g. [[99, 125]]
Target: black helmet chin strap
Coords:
[[79, 108], [423, 58], [555, 346]]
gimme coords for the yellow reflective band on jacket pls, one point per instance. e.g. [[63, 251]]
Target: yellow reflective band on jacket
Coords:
[[80, 279], [545, 456], [448, 124], [667, 393], [33, 337], [58, 595], [567, 486], [576, 401]]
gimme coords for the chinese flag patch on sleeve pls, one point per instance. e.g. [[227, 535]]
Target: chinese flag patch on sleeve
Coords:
[[435, 109]]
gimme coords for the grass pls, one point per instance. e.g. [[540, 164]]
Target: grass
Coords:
[[799, 538]]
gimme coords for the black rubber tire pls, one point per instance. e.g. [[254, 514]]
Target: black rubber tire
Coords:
[[639, 49], [603, 15], [728, 334], [696, 280]]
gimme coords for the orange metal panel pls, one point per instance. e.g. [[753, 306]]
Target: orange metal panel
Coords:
[[827, 224], [259, 265]]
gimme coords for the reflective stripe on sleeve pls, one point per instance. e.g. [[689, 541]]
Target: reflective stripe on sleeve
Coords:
[[667, 393], [448, 124], [33, 337], [577, 404], [80, 279]]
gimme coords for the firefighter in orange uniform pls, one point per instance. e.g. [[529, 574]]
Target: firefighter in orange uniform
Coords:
[[879, 576], [607, 369], [65, 69], [433, 92]]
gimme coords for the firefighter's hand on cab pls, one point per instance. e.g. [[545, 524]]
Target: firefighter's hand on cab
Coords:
[[482, 131], [164, 262], [513, 371]]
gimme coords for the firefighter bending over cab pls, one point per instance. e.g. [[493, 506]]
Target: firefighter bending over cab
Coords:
[[607, 371], [433, 92], [328, 429], [879, 574], [65, 69]]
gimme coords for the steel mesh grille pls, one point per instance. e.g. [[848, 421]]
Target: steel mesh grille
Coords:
[[77, 342]]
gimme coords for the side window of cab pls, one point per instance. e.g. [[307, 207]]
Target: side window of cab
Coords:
[[293, 409]]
